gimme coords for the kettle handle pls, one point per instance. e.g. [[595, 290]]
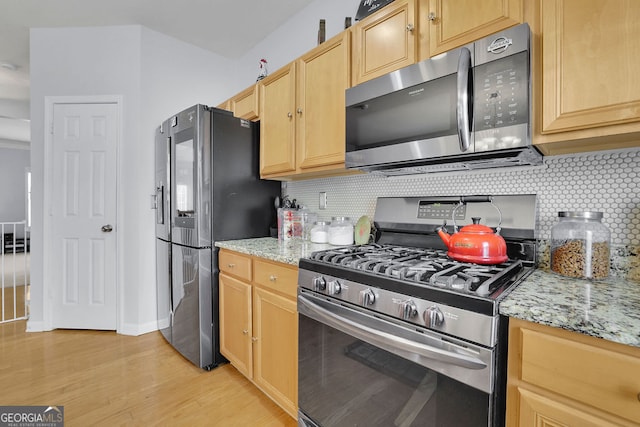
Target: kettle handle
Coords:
[[476, 199]]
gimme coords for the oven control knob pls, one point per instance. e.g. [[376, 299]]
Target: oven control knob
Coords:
[[408, 310], [319, 283], [367, 297], [433, 317], [334, 287]]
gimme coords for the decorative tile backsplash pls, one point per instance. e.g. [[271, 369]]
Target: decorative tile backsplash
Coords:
[[605, 181]]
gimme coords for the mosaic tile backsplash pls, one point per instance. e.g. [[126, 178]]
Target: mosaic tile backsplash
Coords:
[[606, 181]]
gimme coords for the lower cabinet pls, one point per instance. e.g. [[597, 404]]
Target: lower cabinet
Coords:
[[259, 324], [561, 378]]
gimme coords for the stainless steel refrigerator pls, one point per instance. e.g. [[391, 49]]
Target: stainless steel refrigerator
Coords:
[[207, 189]]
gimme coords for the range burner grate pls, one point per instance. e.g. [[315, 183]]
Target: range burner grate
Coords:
[[424, 267]]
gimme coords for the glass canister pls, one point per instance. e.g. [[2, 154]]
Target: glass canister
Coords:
[[320, 232], [340, 231], [580, 245]]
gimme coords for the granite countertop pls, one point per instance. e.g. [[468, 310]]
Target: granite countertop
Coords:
[[607, 309], [288, 252]]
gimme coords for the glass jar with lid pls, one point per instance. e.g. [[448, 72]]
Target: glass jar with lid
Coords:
[[580, 245], [320, 232], [340, 231]]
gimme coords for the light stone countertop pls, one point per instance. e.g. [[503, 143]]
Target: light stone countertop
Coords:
[[288, 252], [607, 309]]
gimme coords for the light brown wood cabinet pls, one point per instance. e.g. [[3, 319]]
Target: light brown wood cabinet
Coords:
[[385, 41], [456, 23], [302, 126], [244, 104], [561, 378], [259, 324], [588, 91]]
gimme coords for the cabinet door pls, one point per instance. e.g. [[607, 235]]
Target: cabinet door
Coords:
[[590, 62], [276, 348], [235, 323], [323, 77], [277, 122], [245, 104], [385, 41], [536, 410], [455, 23]]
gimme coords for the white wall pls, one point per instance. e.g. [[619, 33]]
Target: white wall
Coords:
[[128, 61], [291, 40], [13, 165]]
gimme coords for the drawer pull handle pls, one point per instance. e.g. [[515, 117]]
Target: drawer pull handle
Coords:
[[231, 265], [245, 332], [273, 278]]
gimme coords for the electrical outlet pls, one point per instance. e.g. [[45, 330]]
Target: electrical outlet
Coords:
[[322, 202]]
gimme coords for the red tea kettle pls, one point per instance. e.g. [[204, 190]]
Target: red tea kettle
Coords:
[[475, 243]]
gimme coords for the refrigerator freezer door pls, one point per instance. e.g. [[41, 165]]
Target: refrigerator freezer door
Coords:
[[163, 283], [192, 330]]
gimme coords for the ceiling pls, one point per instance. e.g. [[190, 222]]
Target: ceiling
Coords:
[[227, 27]]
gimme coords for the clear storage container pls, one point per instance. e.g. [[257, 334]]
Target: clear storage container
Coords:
[[340, 231], [320, 232], [580, 245]]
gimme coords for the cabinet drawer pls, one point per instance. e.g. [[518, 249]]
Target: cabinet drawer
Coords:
[[599, 377], [235, 264], [278, 277]]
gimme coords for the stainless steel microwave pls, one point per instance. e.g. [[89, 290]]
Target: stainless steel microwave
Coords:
[[469, 108]]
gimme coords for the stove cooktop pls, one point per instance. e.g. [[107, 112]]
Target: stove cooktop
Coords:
[[421, 267]]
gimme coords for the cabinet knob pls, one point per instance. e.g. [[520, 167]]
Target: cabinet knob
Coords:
[[289, 114], [254, 339], [299, 111], [431, 17], [273, 278], [410, 28], [245, 332]]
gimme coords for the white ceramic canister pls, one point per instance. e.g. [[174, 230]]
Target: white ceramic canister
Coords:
[[340, 231]]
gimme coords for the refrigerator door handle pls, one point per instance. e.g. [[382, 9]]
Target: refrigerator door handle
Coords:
[[159, 204]]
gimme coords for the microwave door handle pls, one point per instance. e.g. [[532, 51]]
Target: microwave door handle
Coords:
[[462, 108], [385, 340]]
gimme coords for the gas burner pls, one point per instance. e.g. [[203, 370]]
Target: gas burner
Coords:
[[420, 266]]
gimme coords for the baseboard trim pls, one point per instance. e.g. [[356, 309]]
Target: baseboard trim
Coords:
[[135, 329]]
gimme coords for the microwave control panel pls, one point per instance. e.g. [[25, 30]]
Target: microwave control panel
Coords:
[[501, 94]]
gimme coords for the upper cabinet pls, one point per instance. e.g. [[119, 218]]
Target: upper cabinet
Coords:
[[245, 104], [302, 114], [588, 91], [385, 41], [455, 23]]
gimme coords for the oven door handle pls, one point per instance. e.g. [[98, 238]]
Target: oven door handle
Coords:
[[385, 340]]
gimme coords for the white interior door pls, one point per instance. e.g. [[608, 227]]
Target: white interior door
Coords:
[[83, 216]]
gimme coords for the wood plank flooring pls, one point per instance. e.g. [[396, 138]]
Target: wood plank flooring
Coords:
[[105, 379]]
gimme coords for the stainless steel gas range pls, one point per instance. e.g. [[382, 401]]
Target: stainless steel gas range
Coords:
[[397, 332]]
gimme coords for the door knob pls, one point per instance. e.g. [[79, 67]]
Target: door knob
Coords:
[[107, 228]]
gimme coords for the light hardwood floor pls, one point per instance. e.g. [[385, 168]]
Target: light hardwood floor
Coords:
[[105, 379]]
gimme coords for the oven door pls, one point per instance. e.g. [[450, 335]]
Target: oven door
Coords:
[[356, 369]]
